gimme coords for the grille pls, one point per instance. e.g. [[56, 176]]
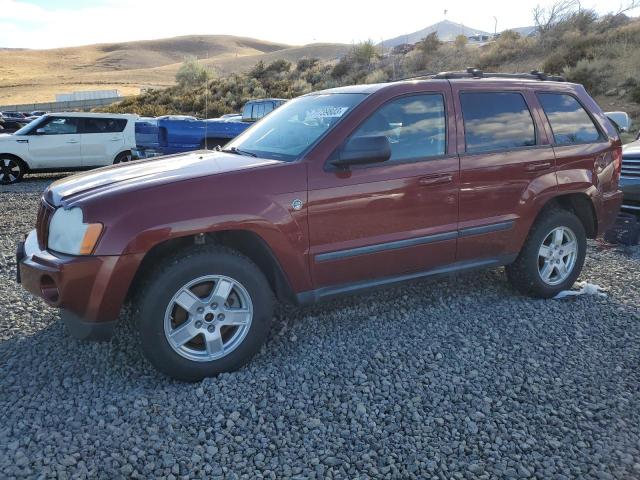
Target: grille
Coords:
[[631, 166], [45, 212]]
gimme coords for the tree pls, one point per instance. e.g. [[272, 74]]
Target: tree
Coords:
[[430, 43], [364, 53], [461, 42], [192, 73]]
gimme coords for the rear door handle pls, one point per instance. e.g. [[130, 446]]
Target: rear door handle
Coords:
[[535, 167], [115, 139], [435, 180], [72, 141], [22, 141]]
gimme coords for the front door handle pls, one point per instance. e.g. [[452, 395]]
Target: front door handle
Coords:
[[536, 167], [72, 141], [435, 180]]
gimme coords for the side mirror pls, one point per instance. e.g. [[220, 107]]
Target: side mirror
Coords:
[[362, 151], [620, 120], [40, 131]]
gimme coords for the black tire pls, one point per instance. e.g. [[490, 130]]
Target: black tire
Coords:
[[524, 273], [123, 157], [167, 279], [11, 170]]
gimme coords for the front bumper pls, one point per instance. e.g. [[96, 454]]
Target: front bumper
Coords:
[[90, 290]]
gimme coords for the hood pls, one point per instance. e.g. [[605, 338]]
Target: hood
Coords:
[[631, 148], [141, 174]]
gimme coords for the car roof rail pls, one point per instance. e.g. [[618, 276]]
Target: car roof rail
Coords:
[[416, 76], [473, 72]]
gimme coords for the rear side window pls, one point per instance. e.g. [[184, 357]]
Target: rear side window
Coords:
[[569, 121], [414, 126], [104, 125], [496, 121]]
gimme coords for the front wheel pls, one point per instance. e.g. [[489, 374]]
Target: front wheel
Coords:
[[11, 170], [204, 312], [552, 256]]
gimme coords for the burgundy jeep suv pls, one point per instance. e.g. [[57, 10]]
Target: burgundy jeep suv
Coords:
[[335, 192]]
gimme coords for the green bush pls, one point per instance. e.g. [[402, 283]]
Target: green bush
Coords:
[[191, 73], [594, 75]]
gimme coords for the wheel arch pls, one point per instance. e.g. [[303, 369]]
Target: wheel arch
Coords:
[[246, 242], [126, 150], [17, 158], [581, 205]]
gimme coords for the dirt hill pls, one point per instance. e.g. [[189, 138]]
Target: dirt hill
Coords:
[[37, 75]]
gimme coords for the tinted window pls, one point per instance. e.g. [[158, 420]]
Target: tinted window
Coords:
[[104, 125], [569, 122], [58, 126], [414, 126], [496, 121], [268, 107], [258, 110], [247, 110]]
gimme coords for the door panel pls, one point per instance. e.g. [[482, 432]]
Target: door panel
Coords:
[[55, 151], [57, 145], [99, 149], [499, 186], [386, 219]]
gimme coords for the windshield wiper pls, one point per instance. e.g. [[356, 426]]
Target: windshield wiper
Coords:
[[237, 151]]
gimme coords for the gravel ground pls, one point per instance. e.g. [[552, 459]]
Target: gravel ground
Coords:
[[454, 378]]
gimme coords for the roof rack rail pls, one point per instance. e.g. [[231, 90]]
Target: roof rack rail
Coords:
[[477, 73], [415, 76]]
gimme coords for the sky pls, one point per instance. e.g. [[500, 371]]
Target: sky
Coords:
[[64, 23]]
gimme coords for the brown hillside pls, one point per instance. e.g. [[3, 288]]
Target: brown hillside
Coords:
[[37, 75]]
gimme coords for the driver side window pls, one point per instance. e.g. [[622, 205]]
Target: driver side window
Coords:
[[414, 125], [58, 126]]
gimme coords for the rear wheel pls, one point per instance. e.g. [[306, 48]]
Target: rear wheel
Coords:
[[204, 312], [122, 158], [552, 256], [11, 170]]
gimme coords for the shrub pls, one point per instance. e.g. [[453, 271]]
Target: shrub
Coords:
[[635, 94], [594, 75], [192, 73], [430, 44]]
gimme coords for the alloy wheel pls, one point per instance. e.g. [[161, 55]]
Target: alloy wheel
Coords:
[[557, 255], [9, 171], [208, 318]]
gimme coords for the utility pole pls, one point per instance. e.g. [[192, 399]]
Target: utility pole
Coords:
[[495, 27]]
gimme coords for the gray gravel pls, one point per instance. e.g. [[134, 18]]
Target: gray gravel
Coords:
[[458, 378]]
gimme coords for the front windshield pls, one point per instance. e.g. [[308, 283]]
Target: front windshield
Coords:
[[290, 130]]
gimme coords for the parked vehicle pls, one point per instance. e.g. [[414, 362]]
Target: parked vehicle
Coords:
[[333, 193], [630, 177], [11, 125], [66, 142], [13, 115], [178, 133], [38, 113]]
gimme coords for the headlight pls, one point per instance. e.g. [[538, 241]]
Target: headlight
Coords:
[[68, 234]]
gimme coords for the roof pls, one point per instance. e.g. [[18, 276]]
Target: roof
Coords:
[[91, 114]]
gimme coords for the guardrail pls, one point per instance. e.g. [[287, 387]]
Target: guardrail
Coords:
[[61, 106]]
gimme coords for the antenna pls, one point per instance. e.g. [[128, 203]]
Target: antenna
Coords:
[[206, 108]]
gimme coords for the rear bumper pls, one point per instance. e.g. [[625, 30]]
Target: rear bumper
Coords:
[[90, 290], [609, 209]]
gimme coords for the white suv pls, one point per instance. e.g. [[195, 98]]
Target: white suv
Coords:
[[66, 142]]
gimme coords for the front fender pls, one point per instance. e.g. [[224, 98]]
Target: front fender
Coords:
[[257, 201]]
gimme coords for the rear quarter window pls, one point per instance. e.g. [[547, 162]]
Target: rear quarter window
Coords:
[[569, 121]]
